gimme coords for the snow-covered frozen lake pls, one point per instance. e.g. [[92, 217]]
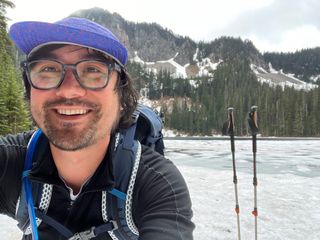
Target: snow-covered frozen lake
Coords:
[[288, 189]]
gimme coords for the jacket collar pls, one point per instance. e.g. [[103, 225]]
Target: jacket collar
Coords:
[[44, 169]]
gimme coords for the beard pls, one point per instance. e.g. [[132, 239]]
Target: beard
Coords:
[[65, 135]]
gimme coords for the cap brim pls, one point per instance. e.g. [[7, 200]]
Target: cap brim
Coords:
[[29, 36]]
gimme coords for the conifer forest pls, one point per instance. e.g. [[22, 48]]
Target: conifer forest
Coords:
[[197, 105]]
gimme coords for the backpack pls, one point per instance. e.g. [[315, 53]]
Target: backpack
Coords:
[[117, 214]]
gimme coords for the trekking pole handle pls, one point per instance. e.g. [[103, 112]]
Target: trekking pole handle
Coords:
[[231, 121], [231, 127], [252, 121]]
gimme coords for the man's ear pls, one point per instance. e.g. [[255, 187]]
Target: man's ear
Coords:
[[27, 87]]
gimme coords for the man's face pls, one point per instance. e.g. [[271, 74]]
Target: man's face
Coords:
[[73, 117]]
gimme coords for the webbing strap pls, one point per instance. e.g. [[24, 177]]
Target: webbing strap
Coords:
[[85, 235], [27, 185], [109, 226], [118, 194], [55, 224]]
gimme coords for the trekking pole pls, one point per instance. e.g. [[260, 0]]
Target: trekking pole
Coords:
[[228, 129], [252, 122]]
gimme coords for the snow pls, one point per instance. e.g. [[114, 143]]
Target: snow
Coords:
[[204, 66], [272, 77], [195, 55], [269, 78], [287, 193], [169, 133], [288, 188], [315, 78], [271, 69], [194, 83], [146, 101], [180, 70], [257, 69], [137, 59]]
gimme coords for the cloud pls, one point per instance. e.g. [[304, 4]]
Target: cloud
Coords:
[[272, 25], [276, 22]]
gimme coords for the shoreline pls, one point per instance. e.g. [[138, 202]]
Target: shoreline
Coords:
[[244, 138]]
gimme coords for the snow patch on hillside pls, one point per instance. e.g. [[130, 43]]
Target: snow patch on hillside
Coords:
[[315, 78], [180, 70], [271, 69], [206, 67], [275, 78]]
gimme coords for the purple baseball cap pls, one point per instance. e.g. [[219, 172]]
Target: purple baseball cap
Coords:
[[30, 36]]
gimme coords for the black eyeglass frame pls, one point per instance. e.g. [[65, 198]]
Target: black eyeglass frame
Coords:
[[112, 65]]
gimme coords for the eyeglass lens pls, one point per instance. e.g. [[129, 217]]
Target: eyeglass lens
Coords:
[[46, 74]]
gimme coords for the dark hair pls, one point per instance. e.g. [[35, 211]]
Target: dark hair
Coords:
[[128, 96]]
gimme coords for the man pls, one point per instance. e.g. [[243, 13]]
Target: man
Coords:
[[80, 96]]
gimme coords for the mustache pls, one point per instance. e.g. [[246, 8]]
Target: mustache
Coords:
[[70, 102]]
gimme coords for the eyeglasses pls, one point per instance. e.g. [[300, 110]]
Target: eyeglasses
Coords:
[[45, 74]]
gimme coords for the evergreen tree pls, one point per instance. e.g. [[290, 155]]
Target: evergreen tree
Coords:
[[199, 105], [14, 116]]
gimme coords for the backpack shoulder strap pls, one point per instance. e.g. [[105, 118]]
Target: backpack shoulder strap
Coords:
[[118, 203], [22, 210], [25, 213], [147, 129]]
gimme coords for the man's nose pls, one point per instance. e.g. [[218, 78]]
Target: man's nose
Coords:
[[70, 87]]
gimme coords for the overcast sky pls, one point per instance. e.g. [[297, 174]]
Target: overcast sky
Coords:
[[272, 25]]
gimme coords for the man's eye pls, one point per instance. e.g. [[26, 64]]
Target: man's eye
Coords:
[[92, 70], [48, 69]]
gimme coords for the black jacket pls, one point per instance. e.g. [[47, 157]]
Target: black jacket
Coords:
[[161, 202]]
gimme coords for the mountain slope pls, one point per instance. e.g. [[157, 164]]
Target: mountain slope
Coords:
[[159, 49]]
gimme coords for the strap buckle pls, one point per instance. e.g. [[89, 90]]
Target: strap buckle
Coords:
[[115, 225], [94, 232], [85, 235]]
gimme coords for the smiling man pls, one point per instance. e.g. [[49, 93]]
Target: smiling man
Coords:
[[80, 97]]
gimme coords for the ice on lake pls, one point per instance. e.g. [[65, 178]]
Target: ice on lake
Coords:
[[288, 189]]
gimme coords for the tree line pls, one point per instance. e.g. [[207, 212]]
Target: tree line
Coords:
[[198, 106], [303, 63]]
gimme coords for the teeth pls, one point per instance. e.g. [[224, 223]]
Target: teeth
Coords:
[[72, 111]]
